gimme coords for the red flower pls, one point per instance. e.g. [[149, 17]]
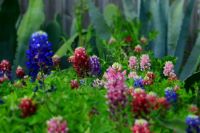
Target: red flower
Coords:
[[141, 126], [140, 103], [20, 72], [27, 107], [5, 66], [128, 39], [74, 84], [80, 61]]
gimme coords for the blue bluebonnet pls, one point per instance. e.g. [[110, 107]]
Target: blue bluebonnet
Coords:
[[171, 95], [138, 83], [39, 54], [95, 66], [193, 123]]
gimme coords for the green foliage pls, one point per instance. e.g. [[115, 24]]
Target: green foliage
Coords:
[[31, 22]]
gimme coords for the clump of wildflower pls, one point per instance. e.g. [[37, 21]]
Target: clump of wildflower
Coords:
[[171, 95], [149, 78], [39, 54], [193, 123], [132, 62], [140, 103], [162, 103], [74, 84], [128, 39], [143, 40], [141, 126], [5, 70], [80, 61], [138, 82], [169, 70], [95, 66], [138, 48], [57, 125], [27, 107], [112, 40], [145, 62], [152, 99], [20, 72], [133, 75], [193, 109], [116, 88], [56, 61], [97, 83]]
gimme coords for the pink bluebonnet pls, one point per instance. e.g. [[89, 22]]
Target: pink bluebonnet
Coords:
[[193, 123], [171, 95], [132, 62], [27, 107], [145, 62], [193, 109], [143, 40], [169, 70], [138, 48], [57, 125], [116, 88], [39, 54], [95, 66], [141, 126]]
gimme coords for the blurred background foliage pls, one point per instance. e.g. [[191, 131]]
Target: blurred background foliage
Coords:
[[89, 23]]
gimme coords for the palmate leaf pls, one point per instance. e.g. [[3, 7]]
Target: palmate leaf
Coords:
[[98, 21], [31, 22]]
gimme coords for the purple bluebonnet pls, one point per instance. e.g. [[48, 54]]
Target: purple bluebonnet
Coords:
[[193, 123], [39, 54], [138, 82], [171, 95], [95, 66]]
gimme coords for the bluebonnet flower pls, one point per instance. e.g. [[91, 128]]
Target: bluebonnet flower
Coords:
[[95, 66], [5, 70], [171, 95], [193, 122], [39, 54], [138, 82]]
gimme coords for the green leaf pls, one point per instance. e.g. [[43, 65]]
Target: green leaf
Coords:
[[66, 46], [175, 21], [31, 22], [182, 41], [97, 20], [110, 12], [192, 61]]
